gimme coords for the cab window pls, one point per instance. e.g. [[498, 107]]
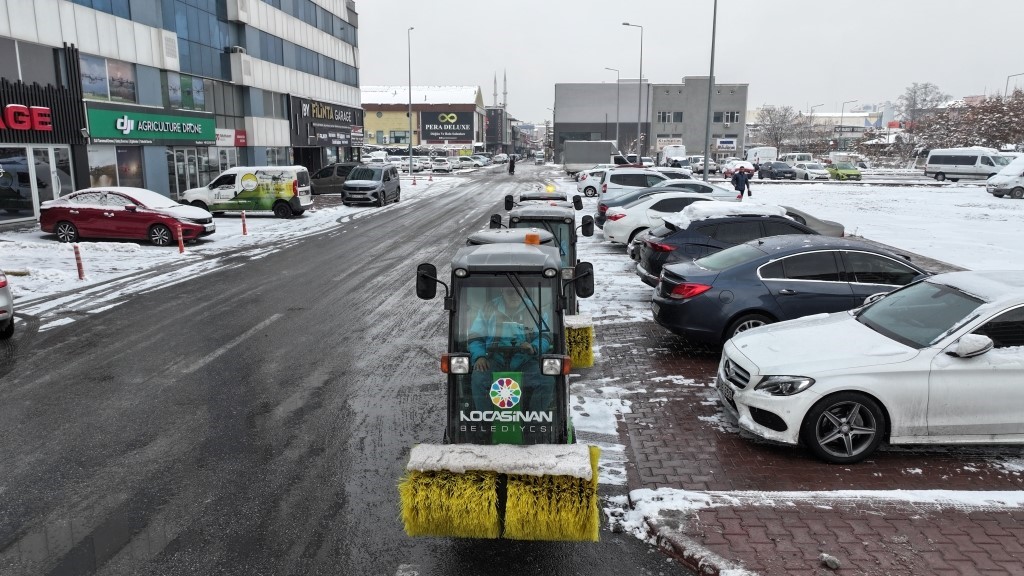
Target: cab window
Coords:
[[223, 180]]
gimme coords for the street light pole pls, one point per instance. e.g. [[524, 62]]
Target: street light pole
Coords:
[[711, 87], [810, 124], [639, 87], [842, 111], [617, 91], [1007, 89], [408, 38]]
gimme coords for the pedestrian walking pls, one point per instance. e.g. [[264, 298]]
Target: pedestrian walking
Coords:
[[512, 164], [741, 182]]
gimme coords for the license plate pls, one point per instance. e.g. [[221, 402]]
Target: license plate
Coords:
[[725, 390], [654, 307], [209, 227]]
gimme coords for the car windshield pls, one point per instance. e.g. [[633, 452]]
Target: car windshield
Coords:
[[1001, 160], [844, 166], [730, 257], [919, 314], [813, 166], [365, 173]]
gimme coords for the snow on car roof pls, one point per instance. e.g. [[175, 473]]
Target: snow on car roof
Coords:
[[703, 210], [147, 197], [989, 285]]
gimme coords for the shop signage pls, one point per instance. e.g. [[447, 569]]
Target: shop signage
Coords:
[[662, 142], [726, 144], [323, 124], [450, 126], [229, 137], [128, 126], [21, 117]]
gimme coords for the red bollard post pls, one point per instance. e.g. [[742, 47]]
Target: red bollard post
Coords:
[[245, 231], [181, 241], [430, 178], [78, 262], [413, 179]]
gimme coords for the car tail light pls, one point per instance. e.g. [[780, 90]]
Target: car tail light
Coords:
[[616, 216], [3, 280], [295, 187], [602, 208], [604, 188], [583, 177], [688, 290], [659, 247]]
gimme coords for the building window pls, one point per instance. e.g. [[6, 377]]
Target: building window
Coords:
[[399, 136], [732, 116], [119, 8], [186, 92], [202, 37], [106, 79], [279, 156], [664, 117], [717, 117], [677, 117]]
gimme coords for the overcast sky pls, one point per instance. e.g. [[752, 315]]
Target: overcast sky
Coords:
[[791, 52]]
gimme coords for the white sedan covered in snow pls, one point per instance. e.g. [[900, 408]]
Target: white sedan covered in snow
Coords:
[[940, 361], [810, 171], [623, 223]]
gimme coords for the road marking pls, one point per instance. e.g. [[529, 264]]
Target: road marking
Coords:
[[216, 353]]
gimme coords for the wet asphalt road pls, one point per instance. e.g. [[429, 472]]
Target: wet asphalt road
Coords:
[[256, 420]]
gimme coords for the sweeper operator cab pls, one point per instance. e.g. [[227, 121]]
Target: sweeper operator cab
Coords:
[[560, 221], [506, 362]]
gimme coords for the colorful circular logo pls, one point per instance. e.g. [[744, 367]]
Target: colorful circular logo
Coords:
[[505, 393], [250, 182]]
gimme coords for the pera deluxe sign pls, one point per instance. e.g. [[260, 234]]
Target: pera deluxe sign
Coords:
[[450, 126]]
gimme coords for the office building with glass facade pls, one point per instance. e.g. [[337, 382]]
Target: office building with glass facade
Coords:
[[164, 94]]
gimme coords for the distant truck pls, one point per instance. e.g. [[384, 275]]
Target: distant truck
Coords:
[[670, 152], [578, 155]]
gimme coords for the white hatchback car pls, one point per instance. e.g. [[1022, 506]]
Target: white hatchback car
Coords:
[[939, 361], [440, 164], [810, 171], [623, 223], [588, 182]]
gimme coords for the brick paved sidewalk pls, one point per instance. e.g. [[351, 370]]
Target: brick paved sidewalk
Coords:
[[678, 437]]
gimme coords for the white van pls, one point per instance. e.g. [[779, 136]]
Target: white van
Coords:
[[975, 163], [792, 158], [283, 189], [761, 154], [1009, 181]]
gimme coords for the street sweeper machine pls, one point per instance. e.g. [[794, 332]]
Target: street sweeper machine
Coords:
[[509, 465]]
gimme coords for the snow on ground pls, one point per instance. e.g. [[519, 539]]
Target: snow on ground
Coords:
[[958, 224]]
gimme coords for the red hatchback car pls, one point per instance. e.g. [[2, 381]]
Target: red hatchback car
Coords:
[[123, 213]]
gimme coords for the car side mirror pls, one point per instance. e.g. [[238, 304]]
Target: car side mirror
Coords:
[[131, 207], [583, 279], [971, 345], [426, 281], [577, 202], [588, 225], [495, 221], [509, 202]]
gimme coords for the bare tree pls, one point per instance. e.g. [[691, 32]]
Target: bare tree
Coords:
[[918, 101], [778, 124]]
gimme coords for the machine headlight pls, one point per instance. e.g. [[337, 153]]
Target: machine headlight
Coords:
[[550, 272], [552, 365], [455, 364], [461, 272], [784, 385], [568, 273]]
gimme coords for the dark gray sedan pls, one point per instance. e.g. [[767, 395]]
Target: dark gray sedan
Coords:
[[776, 171], [773, 279]]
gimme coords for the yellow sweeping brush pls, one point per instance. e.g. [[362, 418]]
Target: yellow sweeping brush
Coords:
[[538, 492], [579, 340]]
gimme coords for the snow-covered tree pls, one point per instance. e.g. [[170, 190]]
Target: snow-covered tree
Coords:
[[917, 102], [778, 124]]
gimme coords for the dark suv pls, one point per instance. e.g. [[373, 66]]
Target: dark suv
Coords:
[[668, 244], [776, 171], [328, 180]]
